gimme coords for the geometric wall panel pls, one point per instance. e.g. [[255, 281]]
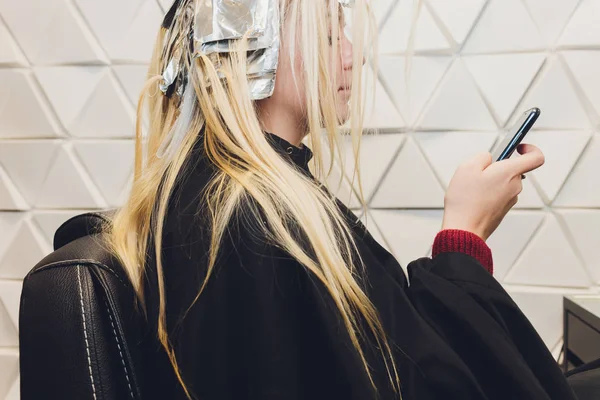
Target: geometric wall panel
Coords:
[[95, 94], [132, 77], [49, 221], [51, 31], [511, 237], [458, 16], [10, 54], [110, 176], [9, 367], [369, 222], [549, 260], [410, 182], [582, 189], [380, 112], [555, 95], [464, 145], [26, 249], [395, 33], [127, 35], [583, 28], [14, 393], [27, 164], [529, 197], [23, 110], [409, 233], [550, 16], [544, 310], [10, 198], [562, 150], [410, 93], [10, 293], [457, 105], [67, 185], [505, 25], [584, 227], [585, 66], [504, 78], [383, 148]]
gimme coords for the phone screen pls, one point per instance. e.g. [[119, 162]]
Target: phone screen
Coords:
[[513, 137]]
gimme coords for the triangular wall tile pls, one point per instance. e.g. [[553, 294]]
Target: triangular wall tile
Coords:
[[132, 77], [9, 225], [337, 183], [584, 66], [380, 112], [551, 16], [562, 150], [107, 99], [409, 183], [584, 227], [581, 188], [68, 186], [111, 177], [544, 311], [583, 29], [78, 81], [23, 109], [128, 35], [504, 78], [380, 147], [555, 95], [10, 54], [27, 164], [529, 197], [10, 198], [77, 44], [166, 4], [9, 365], [457, 104], [511, 237], [96, 94], [9, 337], [504, 26], [409, 233], [463, 145], [411, 93], [369, 222], [395, 33], [27, 248], [49, 221], [458, 16], [28, 21], [14, 393], [10, 296], [549, 260]]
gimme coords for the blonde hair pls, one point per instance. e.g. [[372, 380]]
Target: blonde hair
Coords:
[[248, 168]]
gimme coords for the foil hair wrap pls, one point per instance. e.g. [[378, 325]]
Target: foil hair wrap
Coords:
[[215, 25]]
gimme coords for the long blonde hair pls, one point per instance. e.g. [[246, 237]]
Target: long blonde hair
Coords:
[[249, 168]]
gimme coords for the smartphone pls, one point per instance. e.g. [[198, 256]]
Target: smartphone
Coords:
[[515, 136]]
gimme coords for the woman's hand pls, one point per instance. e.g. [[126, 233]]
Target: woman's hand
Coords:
[[481, 192]]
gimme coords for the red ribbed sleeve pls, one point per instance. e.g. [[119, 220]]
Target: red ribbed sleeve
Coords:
[[458, 241]]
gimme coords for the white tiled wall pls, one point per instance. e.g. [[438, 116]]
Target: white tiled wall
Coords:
[[70, 72]]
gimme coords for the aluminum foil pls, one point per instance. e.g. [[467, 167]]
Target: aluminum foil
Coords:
[[218, 22]]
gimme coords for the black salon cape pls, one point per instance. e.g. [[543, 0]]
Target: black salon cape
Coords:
[[265, 328]]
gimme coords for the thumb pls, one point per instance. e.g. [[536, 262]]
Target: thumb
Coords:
[[531, 158]]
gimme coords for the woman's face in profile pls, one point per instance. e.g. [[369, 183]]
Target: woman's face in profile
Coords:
[[290, 93]]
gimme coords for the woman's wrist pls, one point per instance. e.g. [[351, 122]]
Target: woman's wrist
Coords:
[[466, 242]]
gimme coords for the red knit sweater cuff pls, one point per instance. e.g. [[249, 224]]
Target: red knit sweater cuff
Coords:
[[458, 241]]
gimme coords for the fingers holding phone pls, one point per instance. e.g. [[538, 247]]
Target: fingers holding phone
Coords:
[[486, 187]]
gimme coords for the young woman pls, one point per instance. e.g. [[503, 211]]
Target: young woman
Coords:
[[256, 281]]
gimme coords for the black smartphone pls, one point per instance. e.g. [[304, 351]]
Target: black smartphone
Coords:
[[515, 136]]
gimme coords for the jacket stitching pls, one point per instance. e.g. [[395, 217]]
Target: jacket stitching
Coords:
[[87, 344], [119, 346]]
